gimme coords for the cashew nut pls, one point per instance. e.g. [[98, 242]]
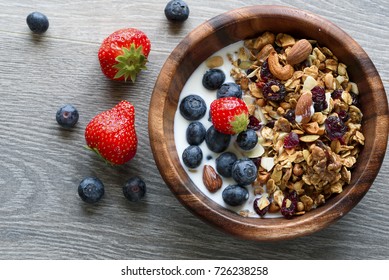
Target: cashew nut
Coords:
[[282, 73]]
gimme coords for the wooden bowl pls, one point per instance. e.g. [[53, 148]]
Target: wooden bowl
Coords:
[[245, 23]]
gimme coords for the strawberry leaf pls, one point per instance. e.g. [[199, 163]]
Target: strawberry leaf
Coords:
[[239, 123], [130, 63]]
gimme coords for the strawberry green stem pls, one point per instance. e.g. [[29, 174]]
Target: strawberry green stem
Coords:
[[130, 63], [239, 123]]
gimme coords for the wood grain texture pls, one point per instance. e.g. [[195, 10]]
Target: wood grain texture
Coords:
[[41, 216]]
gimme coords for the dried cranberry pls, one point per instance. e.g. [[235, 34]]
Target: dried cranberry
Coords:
[[318, 94], [257, 203], [337, 94], [319, 98], [289, 205], [265, 73], [274, 90], [290, 115], [335, 127], [343, 115], [254, 123], [270, 123], [320, 106], [291, 140]]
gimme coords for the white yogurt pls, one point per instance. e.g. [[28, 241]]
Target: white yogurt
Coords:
[[194, 86]]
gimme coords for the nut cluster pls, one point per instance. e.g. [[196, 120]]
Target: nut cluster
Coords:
[[312, 133]]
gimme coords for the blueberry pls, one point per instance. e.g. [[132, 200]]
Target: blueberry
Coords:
[[229, 90], [134, 189], [216, 141], [67, 116], [247, 140], [195, 133], [91, 189], [213, 79], [235, 195], [37, 22], [193, 107], [177, 10], [244, 171], [224, 163], [192, 156]]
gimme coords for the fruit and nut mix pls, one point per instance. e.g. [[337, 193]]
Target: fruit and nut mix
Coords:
[[310, 119]]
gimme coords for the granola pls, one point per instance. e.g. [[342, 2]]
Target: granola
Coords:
[[311, 123]]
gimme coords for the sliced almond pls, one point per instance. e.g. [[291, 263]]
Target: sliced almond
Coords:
[[309, 83], [309, 138], [267, 163], [255, 152], [211, 179]]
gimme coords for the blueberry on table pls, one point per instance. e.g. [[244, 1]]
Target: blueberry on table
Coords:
[[37, 22], [177, 10], [244, 171], [192, 156], [213, 79], [229, 90], [67, 116], [247, 140], [195, 133], [224, 163], [134, 189], [193, 107], [216, 141], [235, 195], [91, 189]]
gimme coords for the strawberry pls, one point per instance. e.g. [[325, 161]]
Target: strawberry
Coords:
[[123, 54], [112, 135], [229, 115]]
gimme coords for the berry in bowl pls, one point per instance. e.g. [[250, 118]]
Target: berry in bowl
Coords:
[[260, 123]]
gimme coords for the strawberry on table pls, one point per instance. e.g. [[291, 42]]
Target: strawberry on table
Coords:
[[229, 115], [112, 134], [123, 54]]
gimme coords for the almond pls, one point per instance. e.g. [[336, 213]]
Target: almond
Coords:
[[211, 179], [299, 52], [304, 109]]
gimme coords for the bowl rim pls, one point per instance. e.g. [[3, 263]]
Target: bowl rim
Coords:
[[165, 153]]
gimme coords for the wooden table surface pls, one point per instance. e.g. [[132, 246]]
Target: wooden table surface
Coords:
[[41, 215]]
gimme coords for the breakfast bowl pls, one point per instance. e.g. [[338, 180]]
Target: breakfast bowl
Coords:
[[241, 25]]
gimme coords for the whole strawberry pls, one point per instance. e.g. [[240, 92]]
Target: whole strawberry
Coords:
[[229, 115], [123, 54], [112, 135]]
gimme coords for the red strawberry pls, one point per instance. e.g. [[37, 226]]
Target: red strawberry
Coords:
[[229, 115], [123, 54], [112, 135]]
